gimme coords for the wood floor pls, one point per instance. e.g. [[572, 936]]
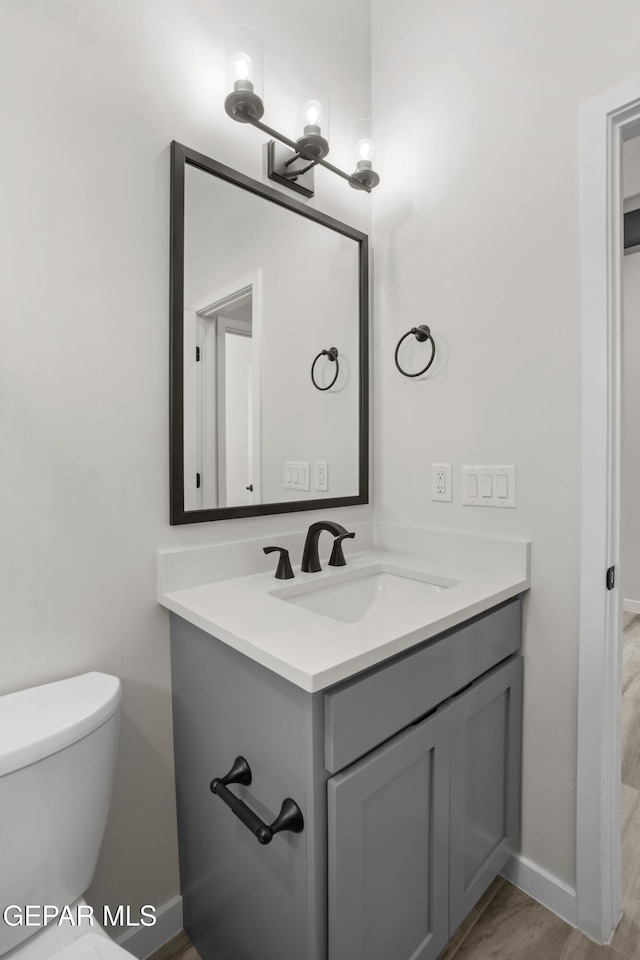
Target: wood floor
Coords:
[[179, 948], [508, 925]]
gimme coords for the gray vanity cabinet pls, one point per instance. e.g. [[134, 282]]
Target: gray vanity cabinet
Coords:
[[389, 849], [419, 828], [486, 735], [243, 900], [407, 776]]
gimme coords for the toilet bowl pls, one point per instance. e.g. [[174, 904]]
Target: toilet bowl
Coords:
[[58, 745], [65, 942]]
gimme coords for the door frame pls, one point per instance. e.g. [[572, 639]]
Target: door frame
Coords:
[[606, 122]]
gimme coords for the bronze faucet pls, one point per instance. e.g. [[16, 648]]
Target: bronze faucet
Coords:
[[310, 558]]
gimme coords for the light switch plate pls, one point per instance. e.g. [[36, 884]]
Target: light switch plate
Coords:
[[441, 488], [296, 474], [478, 478]]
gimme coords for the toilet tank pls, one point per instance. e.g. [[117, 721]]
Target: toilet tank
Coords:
[[58, 746]]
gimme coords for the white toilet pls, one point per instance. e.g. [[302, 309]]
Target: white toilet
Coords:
[[58, 746]]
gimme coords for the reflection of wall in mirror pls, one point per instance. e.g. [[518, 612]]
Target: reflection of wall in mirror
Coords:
[[310, 301]]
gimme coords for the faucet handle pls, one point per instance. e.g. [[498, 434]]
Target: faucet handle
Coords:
[[284, 570], [337, 556]]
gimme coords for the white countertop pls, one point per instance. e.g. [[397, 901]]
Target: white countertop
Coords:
[[314, 651]]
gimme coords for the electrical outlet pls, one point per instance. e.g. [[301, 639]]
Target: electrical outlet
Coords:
[[441, 482], [321, 476]]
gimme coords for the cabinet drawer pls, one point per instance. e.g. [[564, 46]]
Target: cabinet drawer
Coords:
[[365, 711]]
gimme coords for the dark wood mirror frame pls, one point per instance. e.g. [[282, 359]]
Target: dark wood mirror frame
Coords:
[[180, 156]]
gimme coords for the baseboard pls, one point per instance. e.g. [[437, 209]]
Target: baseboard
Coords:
[[143, 941], [631, 606], [543, 887]]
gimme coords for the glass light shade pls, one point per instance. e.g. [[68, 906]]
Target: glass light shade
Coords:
[[361, 140], [361, 146], [314, 107], [313, 96], [244, 60]]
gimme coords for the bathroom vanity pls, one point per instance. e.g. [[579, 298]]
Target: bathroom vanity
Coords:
[[405, 764], [381, 700]]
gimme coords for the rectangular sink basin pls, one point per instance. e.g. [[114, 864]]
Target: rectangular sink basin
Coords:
[[361, 594]]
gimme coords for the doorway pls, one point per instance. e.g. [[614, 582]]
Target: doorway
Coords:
[[607, 122], [224, 388], [222, 429], [625, 936]]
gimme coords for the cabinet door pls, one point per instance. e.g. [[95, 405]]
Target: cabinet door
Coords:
[[388, 849], [486, 730]]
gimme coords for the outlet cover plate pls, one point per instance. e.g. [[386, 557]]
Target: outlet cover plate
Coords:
[[321, 469], [441, 488]]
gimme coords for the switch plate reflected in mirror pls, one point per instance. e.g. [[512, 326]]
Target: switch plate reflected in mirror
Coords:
[[260, 283]]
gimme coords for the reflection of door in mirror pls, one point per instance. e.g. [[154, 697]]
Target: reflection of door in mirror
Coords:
[[234, 349], [221, 426]]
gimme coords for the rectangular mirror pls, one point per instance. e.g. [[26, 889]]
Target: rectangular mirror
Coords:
[[269, 349]]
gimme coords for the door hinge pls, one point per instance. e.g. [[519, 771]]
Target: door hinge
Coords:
[[197, 354], [611, 578], [197, 481]]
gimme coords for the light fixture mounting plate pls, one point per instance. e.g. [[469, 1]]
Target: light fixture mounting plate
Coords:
[[285, 168]]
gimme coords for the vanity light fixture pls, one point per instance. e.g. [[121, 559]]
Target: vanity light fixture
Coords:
[[291, 162]]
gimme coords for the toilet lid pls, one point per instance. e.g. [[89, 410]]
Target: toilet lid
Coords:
[[38, 722], [91, 946]]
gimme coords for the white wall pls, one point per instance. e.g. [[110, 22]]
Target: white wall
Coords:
[[630, 475], [476, 233], [91, 94]]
